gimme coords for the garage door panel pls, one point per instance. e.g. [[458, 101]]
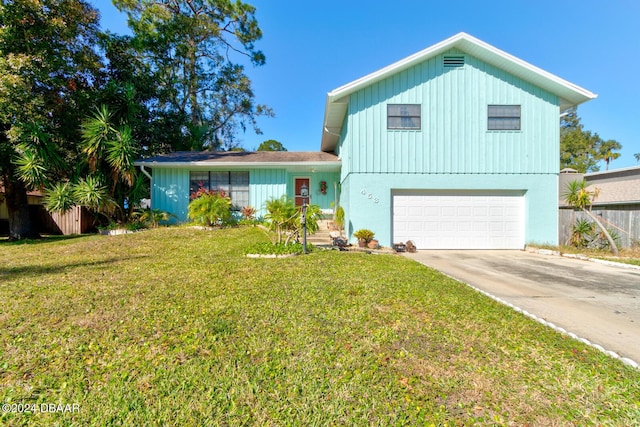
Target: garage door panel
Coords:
[[458, 220], [448, 211]]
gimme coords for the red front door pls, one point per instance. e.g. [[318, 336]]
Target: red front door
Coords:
[[301, 187]]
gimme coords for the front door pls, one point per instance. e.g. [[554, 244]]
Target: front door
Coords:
[[302, 191]]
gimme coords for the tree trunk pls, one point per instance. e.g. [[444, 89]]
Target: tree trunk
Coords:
[[612, 243], [21, 224]]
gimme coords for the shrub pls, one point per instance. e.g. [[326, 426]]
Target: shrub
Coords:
[[586, 234], [210, 208], [152, 217], [283, 217], [249, 212], [581, 233]]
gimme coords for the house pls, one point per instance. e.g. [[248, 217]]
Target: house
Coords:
[[454, 147], [617, 203], [249, 178]]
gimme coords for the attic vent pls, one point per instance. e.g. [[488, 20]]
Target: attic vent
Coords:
[[454, 61]]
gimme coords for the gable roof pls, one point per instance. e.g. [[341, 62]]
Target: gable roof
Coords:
[[337, 100], [235, 159]]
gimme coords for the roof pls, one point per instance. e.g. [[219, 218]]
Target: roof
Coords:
[[337, 100], [244, 159], [616, 187]]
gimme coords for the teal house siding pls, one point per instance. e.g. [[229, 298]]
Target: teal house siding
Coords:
[[170, 188], [454, 149], [266, 184], [170, 191], [453, 154], [454, 137]]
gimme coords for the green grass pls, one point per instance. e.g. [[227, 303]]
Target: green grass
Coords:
[[174, 326]]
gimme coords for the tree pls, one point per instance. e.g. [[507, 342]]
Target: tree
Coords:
[[193, 48], [581, 149], [607, 151], [577, 146], [580, 197], [637, 156], [47, 67], [271, 145]]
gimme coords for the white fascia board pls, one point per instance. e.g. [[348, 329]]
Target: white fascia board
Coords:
[[466, 43]]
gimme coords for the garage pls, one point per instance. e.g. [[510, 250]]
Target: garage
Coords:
[[459, 219]]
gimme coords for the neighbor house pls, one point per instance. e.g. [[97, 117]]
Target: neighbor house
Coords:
[[456, 146]]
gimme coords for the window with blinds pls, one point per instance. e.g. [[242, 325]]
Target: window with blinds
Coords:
[[503, 117], [235, 184]]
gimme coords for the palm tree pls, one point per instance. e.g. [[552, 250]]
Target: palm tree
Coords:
[[38, 158], [111, 151], [580, 197], [96, 132], [637, 156], [282, 215], [607, 151]]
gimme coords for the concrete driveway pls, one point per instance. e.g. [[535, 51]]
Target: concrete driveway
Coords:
[[598, 302]]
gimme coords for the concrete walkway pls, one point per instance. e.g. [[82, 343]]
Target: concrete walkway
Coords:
[[594, 301]]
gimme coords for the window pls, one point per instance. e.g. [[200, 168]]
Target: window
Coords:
[[403, 116], [234, 183], [503, 117]]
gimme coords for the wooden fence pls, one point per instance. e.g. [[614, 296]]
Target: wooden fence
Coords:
[[624, 220], [77, 220]]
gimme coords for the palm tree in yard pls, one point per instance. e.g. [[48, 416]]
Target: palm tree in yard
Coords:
[[580, 197]]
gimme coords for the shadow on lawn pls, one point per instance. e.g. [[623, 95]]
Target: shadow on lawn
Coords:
[[35, 270], [4, 240]]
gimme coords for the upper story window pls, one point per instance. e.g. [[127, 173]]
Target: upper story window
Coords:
[[234, 183], [404, 116], [503, 117]]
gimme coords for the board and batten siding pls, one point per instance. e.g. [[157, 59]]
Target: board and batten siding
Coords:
[[170, 191], [266, 184], [454, 138]]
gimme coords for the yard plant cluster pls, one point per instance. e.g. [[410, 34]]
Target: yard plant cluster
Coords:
[[174, 326]]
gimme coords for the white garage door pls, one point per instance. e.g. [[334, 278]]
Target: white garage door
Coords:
[[459, 220]]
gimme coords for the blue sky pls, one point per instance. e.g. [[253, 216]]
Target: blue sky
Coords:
[[315, 47]]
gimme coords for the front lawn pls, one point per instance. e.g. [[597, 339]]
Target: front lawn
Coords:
[[174, 326]]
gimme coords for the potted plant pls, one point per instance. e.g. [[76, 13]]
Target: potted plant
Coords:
[[364, 236]]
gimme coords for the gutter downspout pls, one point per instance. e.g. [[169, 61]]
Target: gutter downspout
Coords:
[[144, 171]]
